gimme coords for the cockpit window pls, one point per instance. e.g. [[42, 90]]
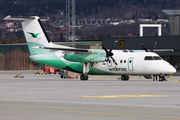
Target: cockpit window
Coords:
[[157, 58], [148, 58], [152, 58]]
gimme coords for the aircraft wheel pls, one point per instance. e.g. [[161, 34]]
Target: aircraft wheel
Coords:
[[84, 77], [125, 77], [161, 77], [87, 77]]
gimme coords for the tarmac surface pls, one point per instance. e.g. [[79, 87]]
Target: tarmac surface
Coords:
[[48, 97]]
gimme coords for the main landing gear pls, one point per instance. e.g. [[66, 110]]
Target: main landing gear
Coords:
[[84, 77], [124, 77], [86, 68]]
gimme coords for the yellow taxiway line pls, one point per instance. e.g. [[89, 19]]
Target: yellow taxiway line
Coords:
[[115, 96]]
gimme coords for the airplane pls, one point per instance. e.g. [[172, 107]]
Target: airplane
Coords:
[[90, 61]]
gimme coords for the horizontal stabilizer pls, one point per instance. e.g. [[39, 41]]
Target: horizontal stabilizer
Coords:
[[9, 17], [68, 49]]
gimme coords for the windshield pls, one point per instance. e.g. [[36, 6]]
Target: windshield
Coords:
[[148, 58], [152, 58], [157, 58]]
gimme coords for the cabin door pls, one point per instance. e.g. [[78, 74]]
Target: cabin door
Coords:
[[130, 64]]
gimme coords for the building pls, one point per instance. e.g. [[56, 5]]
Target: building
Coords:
[[174, 19], [10, 24]]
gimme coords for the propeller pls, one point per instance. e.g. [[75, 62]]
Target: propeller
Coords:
[[144, 48], [153, 46], [109, 54]]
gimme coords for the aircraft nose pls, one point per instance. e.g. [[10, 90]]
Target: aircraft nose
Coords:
[[171, 69]]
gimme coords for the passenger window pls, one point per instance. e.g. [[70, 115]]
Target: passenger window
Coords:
[[148, 58], [130, 61], [120, 61], [157, 58], [124, 61]]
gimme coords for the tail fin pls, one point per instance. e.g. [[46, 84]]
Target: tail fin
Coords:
[[34, 32]]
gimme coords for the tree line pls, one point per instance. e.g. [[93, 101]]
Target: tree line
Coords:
[[17, 60], [12, 41]]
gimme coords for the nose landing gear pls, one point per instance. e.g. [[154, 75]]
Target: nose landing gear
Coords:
[[161, 77]]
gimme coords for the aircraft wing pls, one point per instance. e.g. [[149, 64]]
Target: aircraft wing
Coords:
[[67, 49], [89, 50], [80, 55], [161, 50]]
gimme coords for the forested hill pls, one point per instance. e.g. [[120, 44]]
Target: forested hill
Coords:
[[36, 1], [23, 1], [89, 8]]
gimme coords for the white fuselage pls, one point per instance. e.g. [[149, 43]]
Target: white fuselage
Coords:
[[135, 63]]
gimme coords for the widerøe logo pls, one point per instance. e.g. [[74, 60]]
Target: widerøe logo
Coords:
[[117, 69], [34, 35]]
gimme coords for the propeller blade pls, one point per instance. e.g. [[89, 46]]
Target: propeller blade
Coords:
[[144, 47], [108, 53], [114, 61], [113, 45], [107, 59], [104, 48], [153, 46]]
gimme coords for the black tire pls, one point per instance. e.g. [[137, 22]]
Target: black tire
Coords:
[[87, 77], [84, 77], [125, 77], [161, 77]]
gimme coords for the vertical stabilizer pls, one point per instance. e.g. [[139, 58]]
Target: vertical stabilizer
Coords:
[[35, 33]]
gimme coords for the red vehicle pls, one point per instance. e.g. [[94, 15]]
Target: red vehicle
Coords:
[[49, 69]]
